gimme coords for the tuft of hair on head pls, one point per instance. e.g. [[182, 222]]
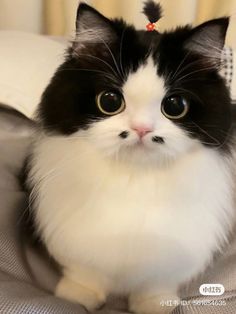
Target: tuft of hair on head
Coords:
[[152, 10]]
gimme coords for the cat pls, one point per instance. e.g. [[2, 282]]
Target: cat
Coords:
[[132, 166]]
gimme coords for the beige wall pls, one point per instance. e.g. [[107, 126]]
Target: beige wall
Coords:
[[57, 17], [176, 12], [23, 15]]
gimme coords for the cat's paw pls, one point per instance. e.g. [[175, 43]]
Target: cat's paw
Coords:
[[158, 304], [73, 291]]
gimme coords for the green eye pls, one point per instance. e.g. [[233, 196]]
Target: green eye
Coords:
[[174, 107], [110, 103]]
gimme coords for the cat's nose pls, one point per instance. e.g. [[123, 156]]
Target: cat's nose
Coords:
[[142, 130]]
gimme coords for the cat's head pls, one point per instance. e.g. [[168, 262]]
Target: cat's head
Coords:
[[140, 95]]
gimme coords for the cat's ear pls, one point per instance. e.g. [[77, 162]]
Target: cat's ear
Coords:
[[208, 38], [92, 27]]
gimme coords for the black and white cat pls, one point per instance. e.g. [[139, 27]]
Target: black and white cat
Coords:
[[132, 169]]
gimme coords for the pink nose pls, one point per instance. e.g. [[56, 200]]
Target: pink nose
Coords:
[[142, 130]]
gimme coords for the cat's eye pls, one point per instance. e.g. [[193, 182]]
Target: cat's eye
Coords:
[[175, 107], [110, 103]]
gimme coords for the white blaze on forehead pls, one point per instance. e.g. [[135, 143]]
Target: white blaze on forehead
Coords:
[[144, 85], [143, 92]]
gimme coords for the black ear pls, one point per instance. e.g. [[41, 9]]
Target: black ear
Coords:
[[208, 38], [92, 27]]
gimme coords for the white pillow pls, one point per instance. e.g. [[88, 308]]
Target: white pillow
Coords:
[[27, 62]]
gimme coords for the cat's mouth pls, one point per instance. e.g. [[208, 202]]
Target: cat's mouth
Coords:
[[144, 145], [141, 142]]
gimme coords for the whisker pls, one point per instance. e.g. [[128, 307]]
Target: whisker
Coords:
[[121, 48], [94, 57], [206, 133], [179, 66], [195, 72], [95, 34], [113, 58], [209, 64]]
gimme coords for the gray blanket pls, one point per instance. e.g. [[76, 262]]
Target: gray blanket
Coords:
[[28, 276]]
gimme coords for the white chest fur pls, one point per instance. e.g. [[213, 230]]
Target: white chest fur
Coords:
[[131, 223]]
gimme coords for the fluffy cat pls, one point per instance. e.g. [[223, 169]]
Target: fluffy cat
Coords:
[[132, 167]]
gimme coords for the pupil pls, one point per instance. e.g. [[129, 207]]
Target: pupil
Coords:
[[110, 102], [174, 106]]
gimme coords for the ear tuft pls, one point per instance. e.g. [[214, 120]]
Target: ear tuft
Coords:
[[92, 27], [208, 38]]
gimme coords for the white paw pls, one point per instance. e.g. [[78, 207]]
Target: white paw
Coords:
[[73, 291], [159, 304]]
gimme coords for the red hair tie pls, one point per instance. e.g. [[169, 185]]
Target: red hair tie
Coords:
[[151, 27]]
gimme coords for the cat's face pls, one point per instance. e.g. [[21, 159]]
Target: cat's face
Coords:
[[141, 131], [141, 96]]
